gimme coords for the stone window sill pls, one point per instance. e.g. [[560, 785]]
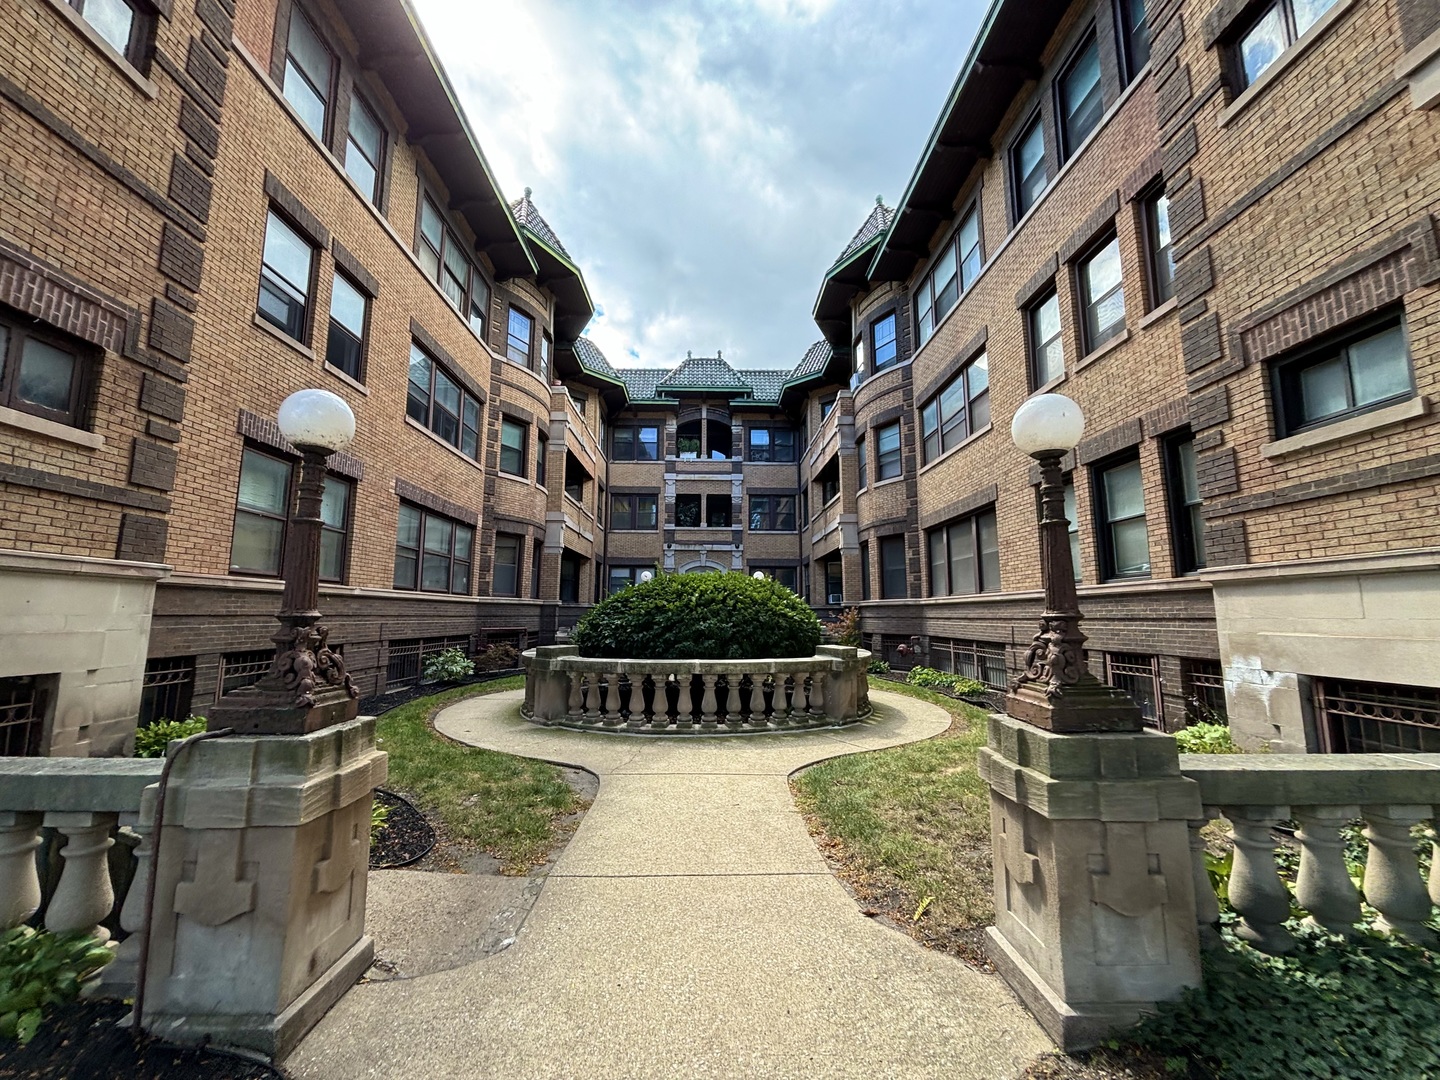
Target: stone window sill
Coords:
[[1159, 313], [282, 337], [1049, 386], [122, 65], [1343, 429], [38, 425], [1104, 350], [350, 381], [442, 443], [877, 484], [1283, 62]]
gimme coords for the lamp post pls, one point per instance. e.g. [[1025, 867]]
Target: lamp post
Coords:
[[307, 687], [1056, 690]]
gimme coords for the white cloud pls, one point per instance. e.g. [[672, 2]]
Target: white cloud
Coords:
[[703, 161]]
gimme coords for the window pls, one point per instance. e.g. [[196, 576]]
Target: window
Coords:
[[1158, 252], [1278, 27], [828, 480], [570, 567], [545, 347], [432, 553], [717, 511], [513, 436], [860, 480], [687, 511], [309, 75], [120, 23], [893, 583], [1047, 346], [1364, 369], [262, 510], [635, 443], [888, 463], [982, 661], [436, 401], [1204, 683], [1184, 490], [827, 404], [965, 556], [168, 686], [1029, 171], [622, 577], [864, 569], [241, 669], [579, 400], [334, 527], [443, 258], [1072, 515], [286, 273], [542, 447], [1377, 718], [771, 444], [345, 347], [1082, 101], [479, 305], [789, 576], [772, 513], [575, 479], [1102, 294], [365, 149], [506, 579], [635, 511], [1134, 29], [834, 580], [959, 410], [883, 351], [41, 374], [955, 270], [1124, 538], [1136, 675], [537, 551], [517, 340]]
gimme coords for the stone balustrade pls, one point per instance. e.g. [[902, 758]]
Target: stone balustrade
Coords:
[[1255, 793], [81, 806], [676, 697]]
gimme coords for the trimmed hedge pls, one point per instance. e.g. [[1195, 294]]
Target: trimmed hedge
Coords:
[[707, 616]]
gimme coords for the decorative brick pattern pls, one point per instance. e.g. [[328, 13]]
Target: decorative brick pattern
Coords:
[[215, 17], [20, 476], [172, 331], [181, 259], [161, 430], [1166, 418], [1039, 280], [435, 349], [1194, 276], [967, 352], [1200, 343], [1397, 472], [162, 398], [200, 129], [267, 433], [985, 496], [1216, 473], [142, 538], [299, 215], [414, 493], [1121, 437], [1142, 177], [1225, 543], [1094, 224], [1180, 151], [1210, 409], [367, 281], [1172, 94], [1187, 210], [202, 65], [153, 465], [190, 188], [54, 298], [1167, 40]]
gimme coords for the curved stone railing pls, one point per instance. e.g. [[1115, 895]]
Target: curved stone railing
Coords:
[[677, 697], [1321, 793]]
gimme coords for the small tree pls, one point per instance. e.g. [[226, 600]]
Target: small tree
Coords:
[[845, 629], [448, 666]]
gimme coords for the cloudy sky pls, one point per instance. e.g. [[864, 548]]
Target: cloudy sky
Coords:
[[704, 161]]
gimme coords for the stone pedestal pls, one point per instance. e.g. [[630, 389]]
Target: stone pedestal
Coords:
[[1094, 896], [260, 894]]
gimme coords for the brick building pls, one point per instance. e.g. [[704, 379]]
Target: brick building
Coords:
[[1211, 224]]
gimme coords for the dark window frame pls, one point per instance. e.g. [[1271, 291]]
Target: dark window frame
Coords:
[[631, 501], [1066, 141], [1133, 40], [1235, 38], [1019, 204], [522, 449], [889, 464], [426, 252], [511, 349], [893, 318], [517, 541], [420, 553], [771, 453], [330, 92], [770, 514], [1187, 535], [633, 431], [939, 428], [362, 343], [888, 545], [376, 196], [302, 332], [1104, 538], [862, 481], [1159, 257], [283, 517], [1285, 372], [972, 523], [346, 530], [964, 277], [1092, 339], [139, 45], [85, 359], [430, 403], [1033, 344]]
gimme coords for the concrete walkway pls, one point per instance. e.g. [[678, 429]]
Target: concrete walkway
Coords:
[[689, 929]]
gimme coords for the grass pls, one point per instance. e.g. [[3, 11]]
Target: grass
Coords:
[[909, 828], [510, 807]]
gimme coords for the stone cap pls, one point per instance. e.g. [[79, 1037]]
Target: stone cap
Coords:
[[1315, 779], [75, 784], [566, 658], [1121, 755]]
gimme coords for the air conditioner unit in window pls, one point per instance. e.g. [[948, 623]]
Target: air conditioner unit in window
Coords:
[[836, 598]]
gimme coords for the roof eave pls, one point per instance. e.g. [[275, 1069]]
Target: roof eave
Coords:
[[573, 307]]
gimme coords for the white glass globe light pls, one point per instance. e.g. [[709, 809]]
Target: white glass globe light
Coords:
[[646, 575], [316, 418], [1047, 422], [758, 575]]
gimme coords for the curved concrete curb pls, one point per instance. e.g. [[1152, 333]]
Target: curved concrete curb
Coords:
[[690, 928]]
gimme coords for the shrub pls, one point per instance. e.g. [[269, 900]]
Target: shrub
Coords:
[[878, 667], [845, 629], [38, 970], [379, 815], [940, 680], [498, 657], [1206, 739], [448, 666], [152, 739], [718, 616]]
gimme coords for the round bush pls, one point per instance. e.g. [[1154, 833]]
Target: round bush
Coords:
[[711, 616]]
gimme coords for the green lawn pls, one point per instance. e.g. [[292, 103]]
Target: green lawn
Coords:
[[910, 826], [508, 806]]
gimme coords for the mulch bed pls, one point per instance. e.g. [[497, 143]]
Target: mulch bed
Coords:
[[376, 704], [81, 1040], [406, 838]]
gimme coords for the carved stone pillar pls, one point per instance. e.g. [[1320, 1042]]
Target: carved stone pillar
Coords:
[[84, 896], [266, 842], [1094, 894]]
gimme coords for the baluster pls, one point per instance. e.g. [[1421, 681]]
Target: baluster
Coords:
[[686, 702], [83, 896], [593, 715], [1323, 886], [612, 699], [19, 877], [787, 695], [118, 978], [575, 707], [642, 694], [1393, 885], [709, 705], [1435, 863], [733, 716], [1256, 892], [1207, 904], [817, 694]]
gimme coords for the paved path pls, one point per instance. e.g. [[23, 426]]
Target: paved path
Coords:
[[689, 929]]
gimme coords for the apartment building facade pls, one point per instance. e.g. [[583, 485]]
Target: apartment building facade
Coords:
[[1211, 225]]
